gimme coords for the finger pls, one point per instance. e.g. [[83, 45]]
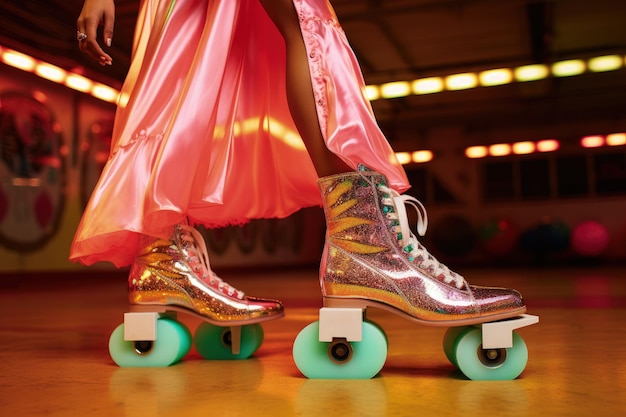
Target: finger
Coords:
[[107, 27], [90, 45]]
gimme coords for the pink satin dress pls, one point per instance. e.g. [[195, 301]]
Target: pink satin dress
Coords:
[[203, 130]]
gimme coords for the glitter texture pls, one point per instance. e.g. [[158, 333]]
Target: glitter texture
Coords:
[[365, 264], [175, 272]]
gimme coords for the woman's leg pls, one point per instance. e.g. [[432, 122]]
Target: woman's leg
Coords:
[[299, 88]]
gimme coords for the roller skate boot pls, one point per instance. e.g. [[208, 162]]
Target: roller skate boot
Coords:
[[171, 276], [372, 259]]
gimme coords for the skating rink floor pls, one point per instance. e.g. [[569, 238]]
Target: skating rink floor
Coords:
[[54, 358]]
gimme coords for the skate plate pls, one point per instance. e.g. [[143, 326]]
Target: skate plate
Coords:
[[336, 322], [152, 336], [326, 348]]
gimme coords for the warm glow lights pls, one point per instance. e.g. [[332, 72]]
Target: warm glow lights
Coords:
[[523, 148], [420, 157], [461, 81], [500, 149], [105, 93], [517, 148], [403, 157], [417, 157], [476, 152], [79, 83], [58, 75], [18, 60], [548, 145], [531, 72], [372, 92], [616, 139], [428, 85], [395, 89], [495, 77], [605, 63], [594, 141], [568, 68], [51, 72]]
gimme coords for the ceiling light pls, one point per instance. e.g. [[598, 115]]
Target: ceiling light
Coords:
[[461, 81], [616, 139], [428, 85], [548, 145], [531, 72], [523, 148], [18, 60], [476, 152], [395, 89], [593, 141], [403, 157], [500, 149], [422, 156], [50, 72], [495, 77], [605, 63], [568, 68], [105, 93], [372, 92], [78, 82]]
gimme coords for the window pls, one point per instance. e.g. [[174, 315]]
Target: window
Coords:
[[572, 176]]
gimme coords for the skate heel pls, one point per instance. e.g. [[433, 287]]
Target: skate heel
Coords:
[[343, 344]]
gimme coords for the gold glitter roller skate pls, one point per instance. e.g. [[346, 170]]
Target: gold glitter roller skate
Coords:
[[171, 276], [372, 259]]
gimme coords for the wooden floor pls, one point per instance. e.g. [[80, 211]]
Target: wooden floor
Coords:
[[54, 357]]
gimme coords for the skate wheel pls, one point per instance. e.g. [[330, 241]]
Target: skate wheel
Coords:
[[214, 342], [449, 341], [340, 359], [467, 354], [174, 342]]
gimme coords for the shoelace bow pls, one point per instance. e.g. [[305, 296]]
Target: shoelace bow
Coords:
[[409, 241], [200, 258]]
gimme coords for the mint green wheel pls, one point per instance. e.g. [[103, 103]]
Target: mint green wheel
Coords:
[[449, 343], [172, 344], [214, 342], [488, 364], [340, 359]]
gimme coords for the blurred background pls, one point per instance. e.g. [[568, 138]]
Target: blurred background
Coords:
[[508, 115]]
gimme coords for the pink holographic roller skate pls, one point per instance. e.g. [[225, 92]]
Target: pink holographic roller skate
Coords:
[[372, 259], [171, 276]]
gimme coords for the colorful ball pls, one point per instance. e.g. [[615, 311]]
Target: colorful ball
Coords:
[[499, 237], [590, 239], [547, 236]]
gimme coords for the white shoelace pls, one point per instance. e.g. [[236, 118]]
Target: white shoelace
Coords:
[[409, 241], [200, 260]]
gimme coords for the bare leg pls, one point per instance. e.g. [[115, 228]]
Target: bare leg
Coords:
[[299, 88]]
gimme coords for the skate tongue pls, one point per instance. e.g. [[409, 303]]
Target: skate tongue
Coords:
[[200, 255], [409, 242]]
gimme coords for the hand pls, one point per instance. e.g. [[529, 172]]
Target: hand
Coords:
[[94, 13]]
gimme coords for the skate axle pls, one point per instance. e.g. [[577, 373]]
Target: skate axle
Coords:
[[499, 334]]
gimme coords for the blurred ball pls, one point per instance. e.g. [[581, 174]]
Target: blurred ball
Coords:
[[453, 236], [590, 238], [499, 237], [547, 236]]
